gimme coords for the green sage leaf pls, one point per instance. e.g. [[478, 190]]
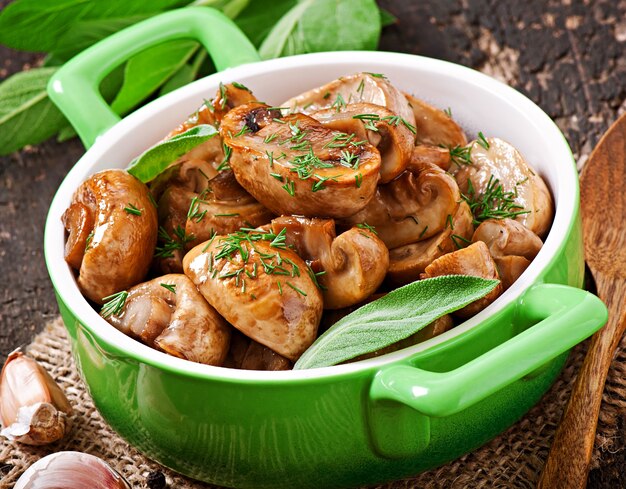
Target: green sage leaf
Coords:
[[258, 18], [39, 25], [148, 70], [387, 18], [27, 116], [393, 317], [324, 25], [155, 160]]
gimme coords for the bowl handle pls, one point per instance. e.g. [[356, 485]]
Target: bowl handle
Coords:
[[564, 316], [74, 88]]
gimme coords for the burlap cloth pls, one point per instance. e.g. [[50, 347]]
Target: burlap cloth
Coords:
[[514, 459]]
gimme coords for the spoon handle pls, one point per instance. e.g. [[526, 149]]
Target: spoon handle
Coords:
[[568, 461]]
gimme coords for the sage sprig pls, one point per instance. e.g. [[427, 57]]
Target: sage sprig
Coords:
[[156, 159], [392, 318]]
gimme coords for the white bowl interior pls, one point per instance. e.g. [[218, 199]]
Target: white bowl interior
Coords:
[[478, 103]]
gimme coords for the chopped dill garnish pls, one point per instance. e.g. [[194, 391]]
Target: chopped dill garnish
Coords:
[[88, 241], [359, 180], [228, 151], [494, 203], [170, 287], [301, 292], [241, 86], [290, 188], [113, 304], [305, 165], [423, 232], [171, 244], [194, 214], [339, 103], [375, 75], [277, 176], [208, 244], [482, 140], [131, 209], [448, 112], [314, 276], [326, 95], [232, 214], [456, 238], [280, 287], [223, 96], [349, 159], [365, 225], [270, 138], [152, 201], [449, 222], [244, 129], [361, 87], [461, 155]]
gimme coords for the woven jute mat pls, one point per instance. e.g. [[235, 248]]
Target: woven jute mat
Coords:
[[512, 460]]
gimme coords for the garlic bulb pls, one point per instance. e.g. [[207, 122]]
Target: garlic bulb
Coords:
[[71, 470], [33, 408]]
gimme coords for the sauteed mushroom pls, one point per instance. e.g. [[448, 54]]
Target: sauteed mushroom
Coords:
[[247, 354], [294, 165], [415, 206], [511, 244], [425, 154], [170, 314], [373, 88], [112, 227], [261, 287], [434, 126], [473, 260], [352, 265], [406, 263], [378, 125], [498, 171]]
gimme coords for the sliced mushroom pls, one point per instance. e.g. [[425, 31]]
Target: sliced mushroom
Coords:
[[415, 206], [406, 263], [434, 126], [294, 165], [505, 237], [211, 151], [474, 260], [261, 287], [199, 202], [361, 87], [437, 327], [225, 207], [499, 169], [116, 212], [352, 265], [168, 313], [512, 246], [427, 154], [381, 127], [247, 354]]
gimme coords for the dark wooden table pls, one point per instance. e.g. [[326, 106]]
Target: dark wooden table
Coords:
[[567, 56]]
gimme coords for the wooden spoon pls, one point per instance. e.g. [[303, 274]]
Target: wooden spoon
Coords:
[[603, 208]]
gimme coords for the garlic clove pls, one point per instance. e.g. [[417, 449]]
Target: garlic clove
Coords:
[[71, 470], [33, 408]]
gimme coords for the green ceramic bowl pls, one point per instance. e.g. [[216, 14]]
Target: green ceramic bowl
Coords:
[[362, 423]]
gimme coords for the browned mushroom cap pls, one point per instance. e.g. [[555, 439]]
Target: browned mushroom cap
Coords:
[[474, 260], [437, 327], [434, 126], [381, 127], [294, 165], [353, 264], [261, 287], [115, 210], [415, 206], [502, 162], [510, 268], [168, 313], [362, 87], [211, 151], [505, 237], [427, 154], [406, 263]]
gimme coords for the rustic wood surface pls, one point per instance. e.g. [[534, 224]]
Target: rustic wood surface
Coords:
[[569, 56], [605, 249]]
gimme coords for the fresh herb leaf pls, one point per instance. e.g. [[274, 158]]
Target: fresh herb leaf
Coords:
[[27, 116], [113, 304], [156, 159], [148, 70], [170, 287], [131, 209], [324, 25], [493, 203], [392, 318], [482, 140]]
